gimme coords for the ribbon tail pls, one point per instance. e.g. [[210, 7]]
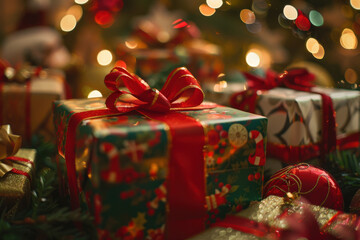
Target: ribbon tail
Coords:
[[186, 177], [328, 134], [70, 150]]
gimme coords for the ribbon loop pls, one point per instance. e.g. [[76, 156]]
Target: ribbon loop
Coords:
[[9, 145], [181, 90]]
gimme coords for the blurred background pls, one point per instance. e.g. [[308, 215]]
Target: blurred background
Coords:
[[86, 38]]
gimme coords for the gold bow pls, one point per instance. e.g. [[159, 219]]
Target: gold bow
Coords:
[[9, 145]]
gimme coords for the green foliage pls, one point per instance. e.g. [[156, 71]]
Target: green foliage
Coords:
[[48, 216]]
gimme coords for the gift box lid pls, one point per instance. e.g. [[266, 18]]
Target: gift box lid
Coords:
[[138, 139]]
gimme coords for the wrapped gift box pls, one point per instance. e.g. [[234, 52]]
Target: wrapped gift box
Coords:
[[295, 117], [163, 40], [27, 105], [15, 185], [275, 218], [202, 58], [122, 165]]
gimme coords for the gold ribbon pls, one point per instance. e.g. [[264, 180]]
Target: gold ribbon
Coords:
[[9, 145]]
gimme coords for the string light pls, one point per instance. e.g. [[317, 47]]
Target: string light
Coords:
[[81, 1], [320, 53], [104, 57], [350, 76], [315, 18], [312, 45], [290, 12], [355, 4], [68, 23], [214, 3], [247, 16], [219, 87], [206, 10], [94, 94], [252, 58], [131, 44], [348, 39], [76, 11]]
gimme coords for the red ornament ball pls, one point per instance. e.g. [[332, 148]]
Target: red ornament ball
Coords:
[[314, 184]]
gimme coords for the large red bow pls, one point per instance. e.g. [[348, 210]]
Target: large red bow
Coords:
[[181, 90]]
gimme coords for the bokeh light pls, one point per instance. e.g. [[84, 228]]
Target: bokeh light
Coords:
[[252, 58], [355, 4], [76, 11], [290, 12], [81, 1], [131, 44], [214, 3], [319, 54], [302, 22], [163, 36], [94, 94], [120, 63], [312, 45], [247, 16], [104, 18], [350, 75], [348, 39], [206, 10], [255, 27], [104, 57], [260, 7], [180, 23], [220, 86], [68, 23], [316, 18], [284, 22]]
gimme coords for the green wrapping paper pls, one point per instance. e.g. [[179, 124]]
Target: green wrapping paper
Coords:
[[122, 165]]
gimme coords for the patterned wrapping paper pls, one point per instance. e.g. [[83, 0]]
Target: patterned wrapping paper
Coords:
[[294, 116], [15, 189], [122, 165], [270, 217], [31, 113]]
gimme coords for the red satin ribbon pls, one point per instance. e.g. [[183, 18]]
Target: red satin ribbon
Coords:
[[3, 66], [261, 230], [18, 171], [297, 154], [186, 179], [301, 80]]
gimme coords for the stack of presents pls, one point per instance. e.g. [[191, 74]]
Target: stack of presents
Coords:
[[172, 163]]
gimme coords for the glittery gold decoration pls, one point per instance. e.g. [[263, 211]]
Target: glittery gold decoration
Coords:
[[15, 188], [270, 212]]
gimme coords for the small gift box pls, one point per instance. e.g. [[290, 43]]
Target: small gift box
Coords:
[[162, 41], [284, 218], [16, 170], [305, 122], [26, 97], [170, 162]]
